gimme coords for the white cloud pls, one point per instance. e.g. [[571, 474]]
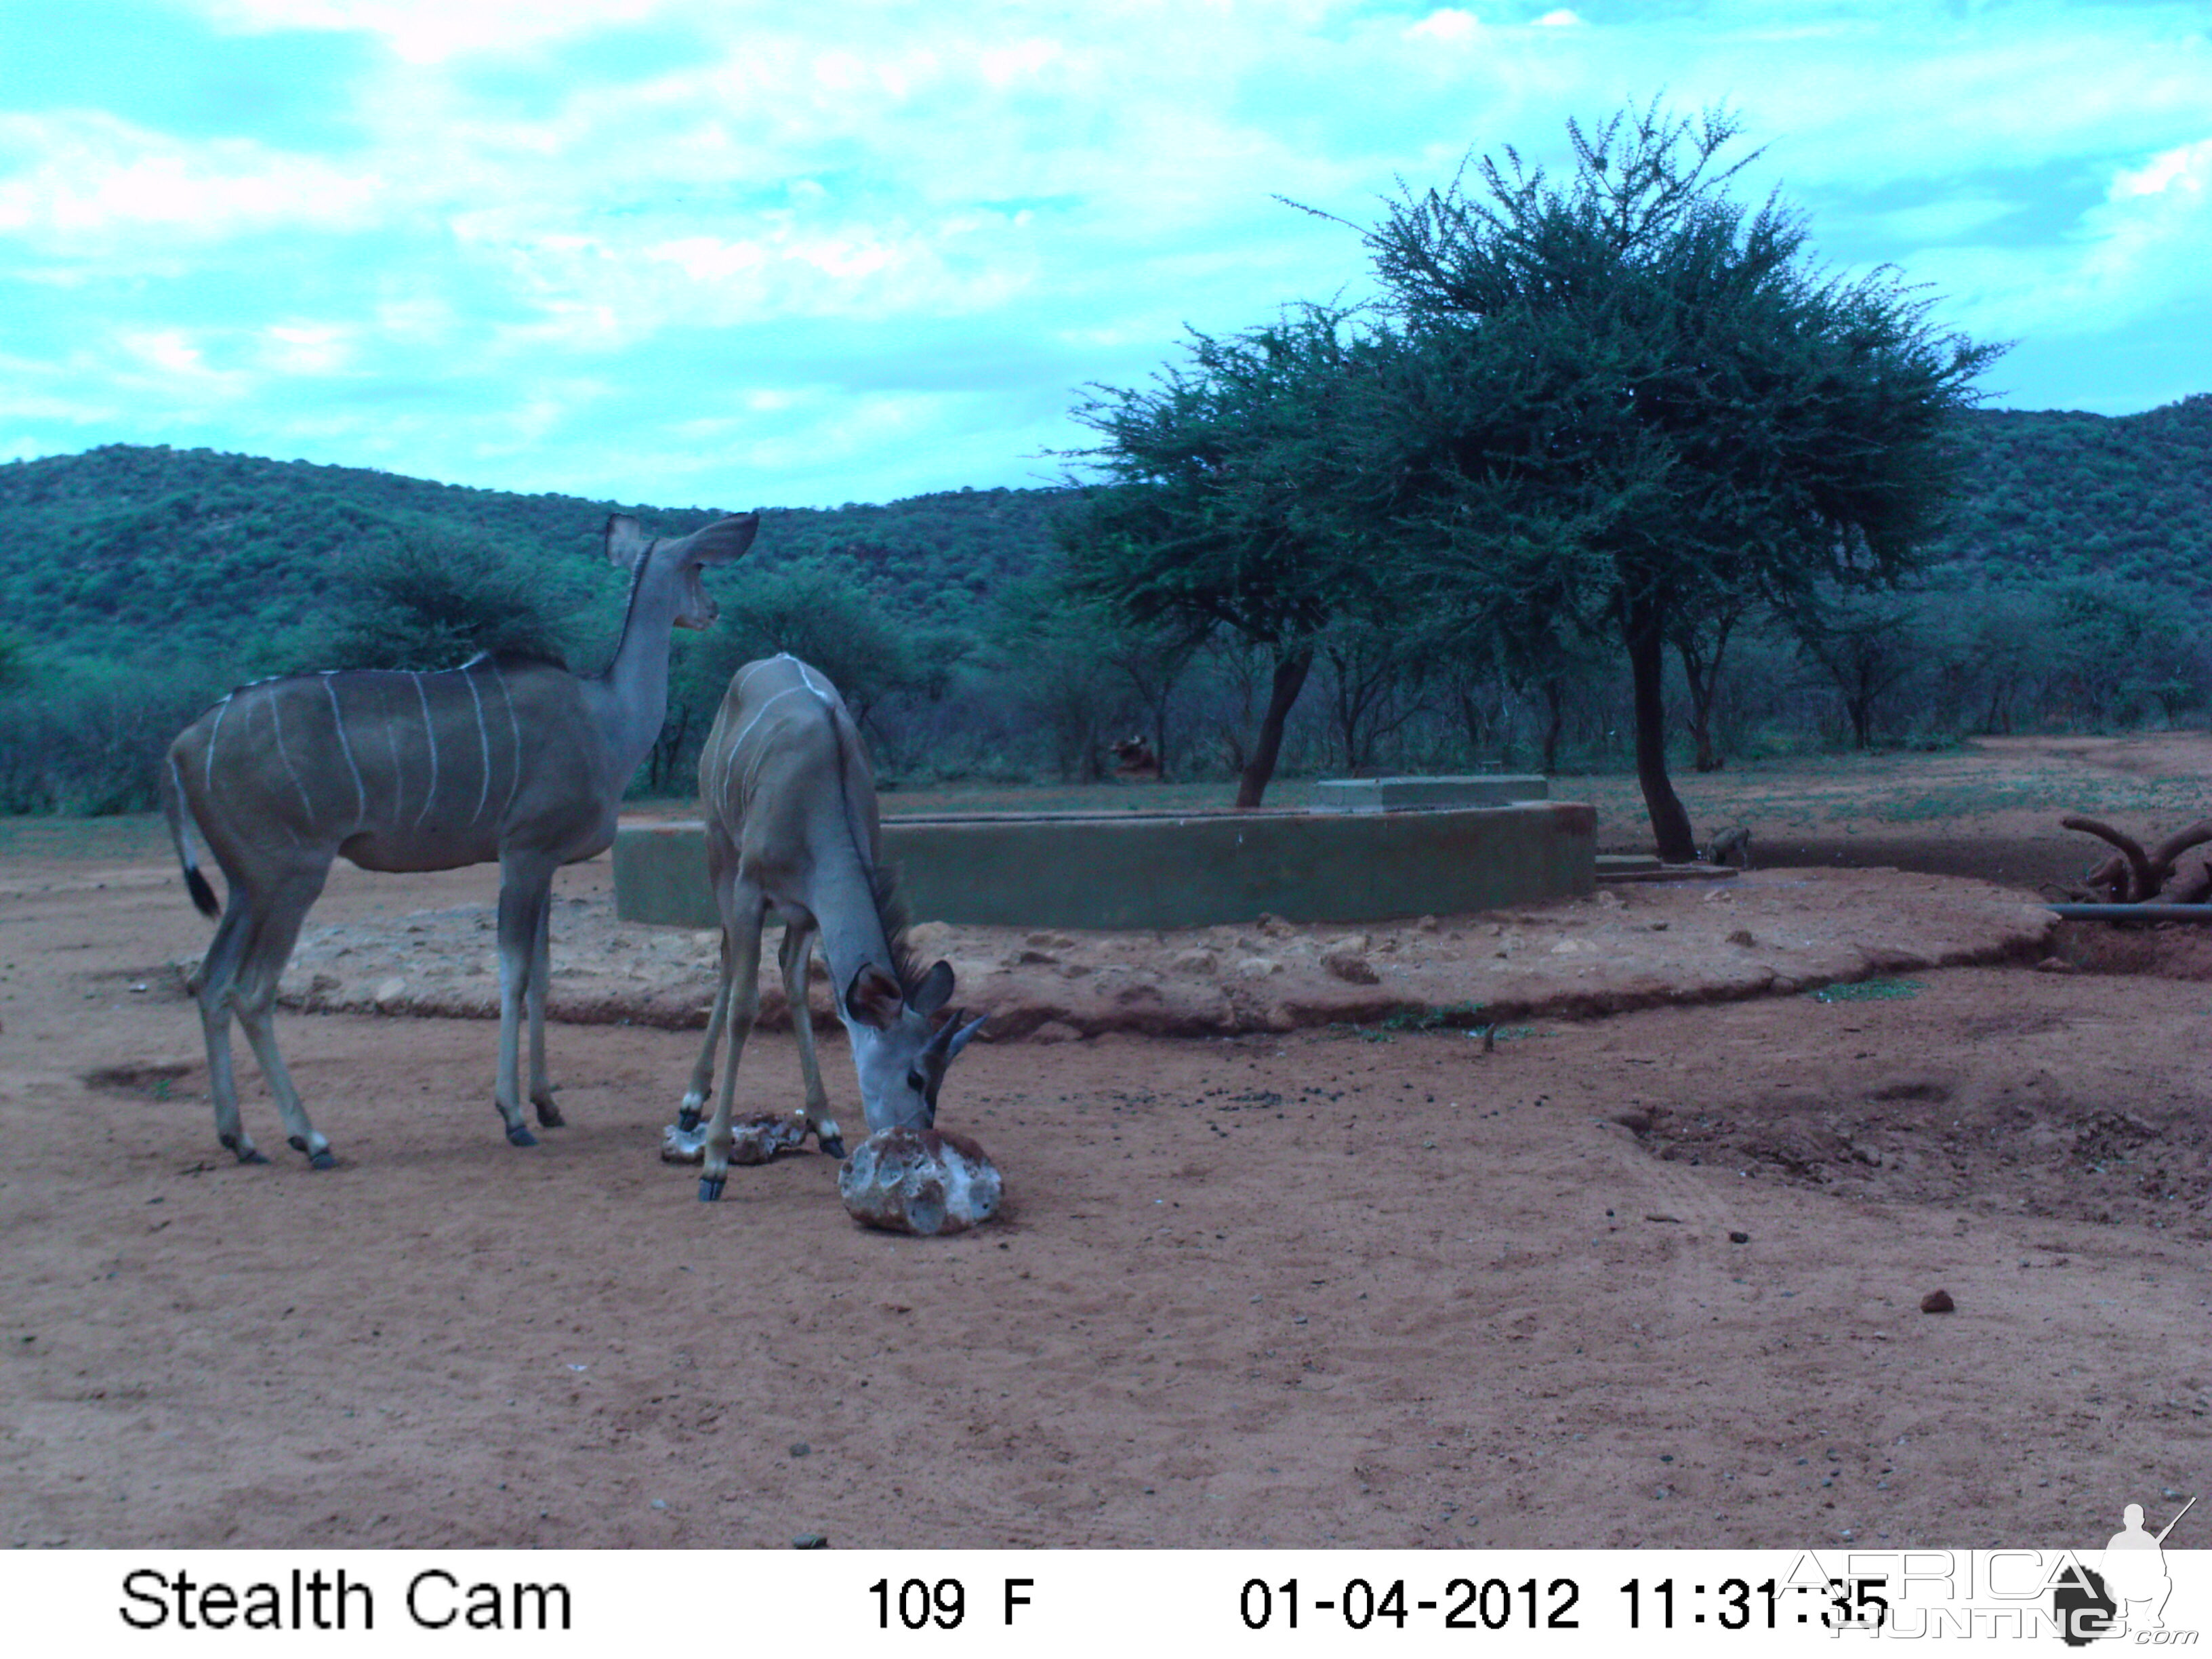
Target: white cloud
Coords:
[[2137, 255], [86, 183], [306, 348], [429, 31], [2183, 170], [1447, 24], [1047, 197]]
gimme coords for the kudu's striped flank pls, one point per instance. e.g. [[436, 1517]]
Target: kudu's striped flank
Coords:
[[509, 758]]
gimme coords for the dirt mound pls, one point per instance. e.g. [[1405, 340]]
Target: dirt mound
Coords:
[[1635, 946]]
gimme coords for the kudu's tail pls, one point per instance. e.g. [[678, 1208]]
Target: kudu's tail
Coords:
[[178, 811]]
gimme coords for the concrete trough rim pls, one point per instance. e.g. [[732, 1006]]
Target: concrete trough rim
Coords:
[[894, 820], [1121, 870]]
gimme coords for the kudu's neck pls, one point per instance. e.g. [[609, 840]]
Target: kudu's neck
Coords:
[[635, 686], [843, 901]]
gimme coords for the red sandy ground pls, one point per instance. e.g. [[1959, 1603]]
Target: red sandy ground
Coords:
[[1345, 1282]]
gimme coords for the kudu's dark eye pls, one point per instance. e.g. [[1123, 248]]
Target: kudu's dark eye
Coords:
[[917, 1082]]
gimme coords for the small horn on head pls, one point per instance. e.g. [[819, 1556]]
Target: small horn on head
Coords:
[[960, 1037], [941, 1040]]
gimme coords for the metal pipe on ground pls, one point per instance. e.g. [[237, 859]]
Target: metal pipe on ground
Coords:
[[2131, 912]]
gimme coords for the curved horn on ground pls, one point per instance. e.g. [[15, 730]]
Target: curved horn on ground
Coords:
[[2141, 884], [2162, 856]]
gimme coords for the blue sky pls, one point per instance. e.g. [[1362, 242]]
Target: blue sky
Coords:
[[698, 252]]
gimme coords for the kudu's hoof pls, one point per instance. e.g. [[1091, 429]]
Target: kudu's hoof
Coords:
[[325, 1159], [519, 1135], [688, 1118], [244, 1155], [549, 1115], [832, 1146], [710, 1188]]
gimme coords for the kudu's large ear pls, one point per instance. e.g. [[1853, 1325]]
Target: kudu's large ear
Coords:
[[626, 541], [724, 539], [874, 998], [934, 991]]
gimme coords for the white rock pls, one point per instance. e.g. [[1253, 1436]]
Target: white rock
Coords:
[[919, 1180]]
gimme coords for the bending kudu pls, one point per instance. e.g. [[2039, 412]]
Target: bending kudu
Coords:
[[793, 829], [507, 759]]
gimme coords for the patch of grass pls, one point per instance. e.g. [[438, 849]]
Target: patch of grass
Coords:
[[1983, 798], [1869, 990], [1451, 1016], [126, 836]]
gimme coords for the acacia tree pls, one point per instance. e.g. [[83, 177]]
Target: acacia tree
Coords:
[[1628, 404], [1866, 645], [1230, 507], [1701, 642]]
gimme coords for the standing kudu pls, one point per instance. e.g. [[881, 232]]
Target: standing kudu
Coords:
[[791, 828], [508, 758]]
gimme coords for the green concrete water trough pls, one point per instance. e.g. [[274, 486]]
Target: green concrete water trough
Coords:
[[1395, 794], [1147, 870]]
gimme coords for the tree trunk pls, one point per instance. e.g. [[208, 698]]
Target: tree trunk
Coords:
[[1647, 662], [1703, 675], [1288, 680], [1860, 706], [1555, 710], [1709, 757]]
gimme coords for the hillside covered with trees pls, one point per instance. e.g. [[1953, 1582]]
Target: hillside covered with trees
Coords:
[[125, 549], [136, 584]]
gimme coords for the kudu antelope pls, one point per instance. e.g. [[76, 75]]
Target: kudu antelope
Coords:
[[504, 757], [792, 828]]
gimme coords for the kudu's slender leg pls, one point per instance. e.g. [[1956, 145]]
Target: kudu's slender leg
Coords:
[[722, 859], [744, 912], [702, 1069], [210, 987], [279, 913], [793, 958], [525, 890], [541, 975], [239, 976]]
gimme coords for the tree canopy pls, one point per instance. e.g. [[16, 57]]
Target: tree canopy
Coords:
[[427, 601], [1235, 504], [1627, 402]]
